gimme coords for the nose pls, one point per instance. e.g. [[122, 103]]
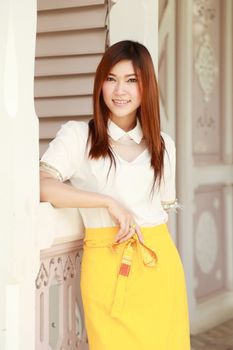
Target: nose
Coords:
[[119, 88]]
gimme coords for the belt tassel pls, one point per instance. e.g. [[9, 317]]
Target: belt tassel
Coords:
[[149, 259]]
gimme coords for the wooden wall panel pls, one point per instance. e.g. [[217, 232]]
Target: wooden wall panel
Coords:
[[209, 242], [65, 106], [70, 43], [64, 4], [71, 19], [62, 85], [71, 39], [207, 82], [50, 66]]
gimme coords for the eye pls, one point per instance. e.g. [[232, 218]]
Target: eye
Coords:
[[109, 78], [132, 80]]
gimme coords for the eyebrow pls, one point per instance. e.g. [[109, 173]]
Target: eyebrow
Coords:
[[127, 75]]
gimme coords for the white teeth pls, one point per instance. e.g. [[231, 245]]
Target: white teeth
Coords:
[[120, 102]]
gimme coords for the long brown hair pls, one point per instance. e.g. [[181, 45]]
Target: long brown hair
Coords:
[[148, 112]]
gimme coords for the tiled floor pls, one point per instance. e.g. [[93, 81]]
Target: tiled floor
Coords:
[[217, 338]]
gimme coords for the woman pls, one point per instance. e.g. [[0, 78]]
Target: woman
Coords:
[[122, 171]]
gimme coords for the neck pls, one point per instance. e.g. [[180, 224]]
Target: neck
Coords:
[[125, 123]]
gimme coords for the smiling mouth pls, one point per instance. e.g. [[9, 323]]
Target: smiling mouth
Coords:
[[121, 102]]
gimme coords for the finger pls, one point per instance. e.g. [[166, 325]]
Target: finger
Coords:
[[139, 234], [124, 229], [121, 232], [127, 226], [131, 232], [126, 237]]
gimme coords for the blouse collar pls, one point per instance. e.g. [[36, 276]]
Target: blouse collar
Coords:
[[116, 132]]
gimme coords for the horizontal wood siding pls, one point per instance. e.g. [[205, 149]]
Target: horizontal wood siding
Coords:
[[71, 19], [64, 4], [71, 39], [62, 85], [51, 66], [75, 42]]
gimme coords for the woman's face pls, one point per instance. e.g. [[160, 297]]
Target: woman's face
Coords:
[[121, 92]]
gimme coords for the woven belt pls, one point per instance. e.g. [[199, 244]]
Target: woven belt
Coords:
[[149, 259]]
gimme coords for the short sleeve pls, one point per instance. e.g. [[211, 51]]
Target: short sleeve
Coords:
[[66, 151], [168, 186]]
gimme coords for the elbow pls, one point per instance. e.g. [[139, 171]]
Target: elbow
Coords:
[[46, 193], [44, 190], [44, 187], [43, 193]]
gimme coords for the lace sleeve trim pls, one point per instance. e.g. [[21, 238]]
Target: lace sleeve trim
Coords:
[[51, 170], [171, 205]]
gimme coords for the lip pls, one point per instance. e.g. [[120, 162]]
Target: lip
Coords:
[[120, 102]]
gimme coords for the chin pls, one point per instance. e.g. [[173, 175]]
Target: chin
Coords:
[[121, 116]]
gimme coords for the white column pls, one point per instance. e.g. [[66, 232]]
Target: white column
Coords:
[[227, 95], [228, 206], [135, 20], [184, 148], [19, 189]]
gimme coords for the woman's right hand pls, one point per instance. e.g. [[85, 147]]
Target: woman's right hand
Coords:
[[126, 221], [62, 195]]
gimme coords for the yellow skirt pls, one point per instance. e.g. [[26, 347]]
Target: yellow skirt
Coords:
[[134, 294]]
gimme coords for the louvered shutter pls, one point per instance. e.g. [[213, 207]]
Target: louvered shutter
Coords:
[[71, 39]]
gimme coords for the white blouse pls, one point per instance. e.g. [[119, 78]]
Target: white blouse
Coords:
[[130, 183]]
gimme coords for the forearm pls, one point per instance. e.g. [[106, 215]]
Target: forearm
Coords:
[[61, 195]]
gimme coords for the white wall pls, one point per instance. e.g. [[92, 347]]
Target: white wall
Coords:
[[19, 180], [135, 20]]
